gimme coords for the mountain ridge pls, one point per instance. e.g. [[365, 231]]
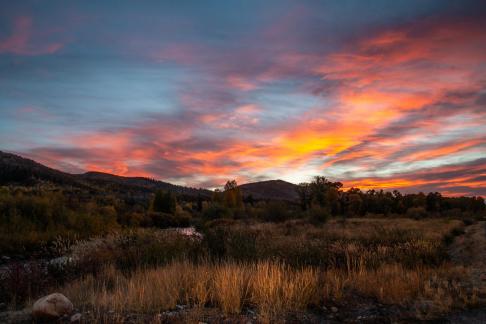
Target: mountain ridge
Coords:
[[15, 169]]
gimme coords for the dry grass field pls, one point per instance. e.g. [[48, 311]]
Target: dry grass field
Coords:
[[380, 261]]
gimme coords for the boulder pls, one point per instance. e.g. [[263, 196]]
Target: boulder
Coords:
[[52, 306]]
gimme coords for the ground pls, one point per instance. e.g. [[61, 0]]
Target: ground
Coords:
[[467, 249], [470, 249]]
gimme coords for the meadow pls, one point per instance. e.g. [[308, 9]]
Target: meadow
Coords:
[[332, 255], [269, 272]]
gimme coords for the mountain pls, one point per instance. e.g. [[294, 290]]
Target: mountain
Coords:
[[17, 170], [101, 178], [271, 189]]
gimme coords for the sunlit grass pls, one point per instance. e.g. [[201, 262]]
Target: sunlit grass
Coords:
[[273, 289]]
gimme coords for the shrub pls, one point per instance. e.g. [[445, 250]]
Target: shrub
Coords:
[[416, 212], [164, 202], [318, 215], [163, 220], [215, 211], [22, 281], [275, 212]]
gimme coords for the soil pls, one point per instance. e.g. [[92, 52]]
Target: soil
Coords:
[[469, 249]]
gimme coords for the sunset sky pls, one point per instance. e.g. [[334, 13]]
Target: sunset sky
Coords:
[[376, 94]]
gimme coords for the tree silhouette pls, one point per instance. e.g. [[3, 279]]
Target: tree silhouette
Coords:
[[164, 202]]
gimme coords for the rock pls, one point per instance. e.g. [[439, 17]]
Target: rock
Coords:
[[334, 309], [52, 306], [76, 317]]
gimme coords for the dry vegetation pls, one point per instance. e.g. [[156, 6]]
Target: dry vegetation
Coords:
[[275, 290], [376, 266]]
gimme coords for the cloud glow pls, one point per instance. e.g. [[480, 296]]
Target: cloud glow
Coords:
[[290, 92]]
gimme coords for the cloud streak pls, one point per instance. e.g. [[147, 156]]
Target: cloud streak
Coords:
[[375, 102]]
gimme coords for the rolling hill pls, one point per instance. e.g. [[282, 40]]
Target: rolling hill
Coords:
[[271, 189], [17, 170]]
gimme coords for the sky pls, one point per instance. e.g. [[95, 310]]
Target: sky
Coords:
[[375, 94]]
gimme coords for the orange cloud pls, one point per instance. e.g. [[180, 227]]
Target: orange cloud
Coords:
[[398, 97]]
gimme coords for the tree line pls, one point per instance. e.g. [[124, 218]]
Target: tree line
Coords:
[[329, 195]]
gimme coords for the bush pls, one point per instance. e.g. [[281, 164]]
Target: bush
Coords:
[[163, 220], [29, 219], [22, 281], [319, 215], [231, 243], [164, 202], [416, 212], [216, 211], [275, 212]]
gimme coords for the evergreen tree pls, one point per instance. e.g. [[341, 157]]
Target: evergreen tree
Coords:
[[164, 202]]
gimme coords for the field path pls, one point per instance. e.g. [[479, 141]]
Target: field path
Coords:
[[470, 249]]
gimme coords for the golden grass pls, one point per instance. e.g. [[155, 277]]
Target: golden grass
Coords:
[[365, 257], [277, 289], [274, 289], [230, 287]]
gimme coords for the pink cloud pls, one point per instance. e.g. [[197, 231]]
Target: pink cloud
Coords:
[[23, 40]]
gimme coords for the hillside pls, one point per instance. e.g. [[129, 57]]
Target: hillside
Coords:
[[101, 178], [17, 170], [271, 189]]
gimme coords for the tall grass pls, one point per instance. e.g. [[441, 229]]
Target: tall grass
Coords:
[[274, 269], [369, 242], [230, 287], [272, 288]]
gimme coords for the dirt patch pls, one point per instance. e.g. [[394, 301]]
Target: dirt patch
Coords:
[[469, 250]]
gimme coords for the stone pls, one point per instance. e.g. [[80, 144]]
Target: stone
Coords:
[[334, 309], [76, 317], [52, 306]]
